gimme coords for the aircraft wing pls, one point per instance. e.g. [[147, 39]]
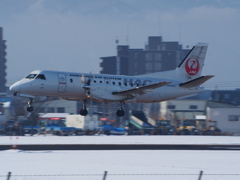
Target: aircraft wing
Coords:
[[141, 90], [195, 82]]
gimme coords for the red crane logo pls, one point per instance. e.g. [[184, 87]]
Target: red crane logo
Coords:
[[192, 66]]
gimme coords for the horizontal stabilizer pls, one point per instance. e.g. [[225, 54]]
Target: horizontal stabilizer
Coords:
[[195, 82], [141, 90]]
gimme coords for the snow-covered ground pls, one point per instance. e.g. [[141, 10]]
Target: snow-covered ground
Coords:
[[132, 162], [233, 140], [64, 163]]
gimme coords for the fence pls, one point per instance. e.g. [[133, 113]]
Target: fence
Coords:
[[105, 174]]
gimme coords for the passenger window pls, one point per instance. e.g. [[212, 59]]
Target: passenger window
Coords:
[[119, 83], [131, 84], [41, 76], [71, 80], [100, 81], [113, 83], [31, 76], [107, 82], [125, 84], [94, 81]]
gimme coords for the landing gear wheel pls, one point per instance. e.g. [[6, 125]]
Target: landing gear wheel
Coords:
[[83, 112], [120, 113], [30, 109]]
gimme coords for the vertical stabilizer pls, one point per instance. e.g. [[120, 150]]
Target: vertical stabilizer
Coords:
[[191, 67]]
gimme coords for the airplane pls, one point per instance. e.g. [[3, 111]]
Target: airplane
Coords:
[[146, 88]]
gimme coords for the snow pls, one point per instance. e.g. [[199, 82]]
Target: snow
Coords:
[[233, 140], [119, 162], [77, 163]]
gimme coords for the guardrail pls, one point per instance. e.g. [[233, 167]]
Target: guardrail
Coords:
[[105, 174]]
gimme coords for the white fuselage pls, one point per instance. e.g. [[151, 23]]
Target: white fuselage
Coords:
[[69, 85]]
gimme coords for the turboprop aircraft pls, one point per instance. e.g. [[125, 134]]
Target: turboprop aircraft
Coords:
[[147, 88]]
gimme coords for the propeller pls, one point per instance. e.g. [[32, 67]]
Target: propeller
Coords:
[[86, 80]]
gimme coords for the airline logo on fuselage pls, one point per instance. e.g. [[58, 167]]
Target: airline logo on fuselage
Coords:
[[192, 66]]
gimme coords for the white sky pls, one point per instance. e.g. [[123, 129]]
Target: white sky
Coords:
[[73, 35]]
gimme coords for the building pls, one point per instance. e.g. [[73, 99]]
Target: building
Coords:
[[2, 63], [157, 56], [227, 96], [179, 109], [228, 119]]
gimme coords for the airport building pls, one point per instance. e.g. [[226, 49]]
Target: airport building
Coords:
[[2, 62], [157, 56]]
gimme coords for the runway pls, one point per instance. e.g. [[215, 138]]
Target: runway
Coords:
[[41, 147]]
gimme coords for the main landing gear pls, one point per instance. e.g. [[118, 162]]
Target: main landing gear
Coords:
[[120, 112], [84, 111], [30, 108]]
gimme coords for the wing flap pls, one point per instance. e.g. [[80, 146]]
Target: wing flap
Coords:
[[195, 82], [141, 90]]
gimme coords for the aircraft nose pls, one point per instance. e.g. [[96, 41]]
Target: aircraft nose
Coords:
[[15, 88]]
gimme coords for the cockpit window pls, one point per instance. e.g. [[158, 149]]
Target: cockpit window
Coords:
[[41, 76], [31, 76]]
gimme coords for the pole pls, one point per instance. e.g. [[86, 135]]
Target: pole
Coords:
[[9, 175], [105, 175], [200, 175]]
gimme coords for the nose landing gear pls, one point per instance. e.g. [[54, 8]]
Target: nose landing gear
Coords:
[[30, 108]]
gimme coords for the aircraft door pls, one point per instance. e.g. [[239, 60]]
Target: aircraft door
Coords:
[[62, 82]]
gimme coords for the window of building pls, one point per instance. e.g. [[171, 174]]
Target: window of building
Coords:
[[41, 76], [157, 66], [149, 66], [107, 82], [61, 109], [233, 118], [50, 110], [113, 83], [157, 56], [41, 110], [148, 56], [171, 107], [135, 65], [94, 81], [163, 47], [71, 80], [193, 107], [226, 96], [100, 81], [136, 55]]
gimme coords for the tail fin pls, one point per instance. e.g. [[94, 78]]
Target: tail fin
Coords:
[[192, 65]]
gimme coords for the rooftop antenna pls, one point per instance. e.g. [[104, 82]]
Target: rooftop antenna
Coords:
[[117, 58], [179, 33], [159, 25], [127, 40]]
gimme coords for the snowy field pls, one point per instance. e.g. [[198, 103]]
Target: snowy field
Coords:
[[6, 140], [75, 165], [149, 162]]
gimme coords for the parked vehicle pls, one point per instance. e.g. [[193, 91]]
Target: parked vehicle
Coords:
[[187, 127], [83, 124], [110, 130], [164, 127]]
